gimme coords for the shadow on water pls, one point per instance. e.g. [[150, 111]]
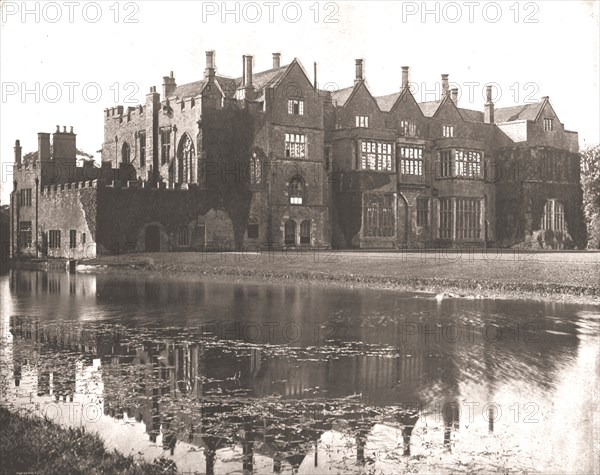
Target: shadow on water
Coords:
[[272, 378]]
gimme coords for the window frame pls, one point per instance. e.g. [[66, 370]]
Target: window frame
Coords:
[[295, 106], [361, 121], [411, 160], [448, 131], [25, 234], [72, 238], [54, 239], [296, 190], [423, 211], [375, 155], [295, 145], [378, 215]]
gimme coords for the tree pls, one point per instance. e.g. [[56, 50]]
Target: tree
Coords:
[[590, 182]]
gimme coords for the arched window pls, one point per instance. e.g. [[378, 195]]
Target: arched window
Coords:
[[255, 170], [553, 217], [290, 232], [125, 153], [305, 232], [296, 191], [185, 160], [183, 236]]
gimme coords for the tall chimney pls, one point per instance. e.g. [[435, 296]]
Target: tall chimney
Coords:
[[445, 91], [404, 77], [169, 85], [359, 71], [276, 60], [43, 146], [488, 109], [18, 152], [248, 69], [454, 94], [209, 72]]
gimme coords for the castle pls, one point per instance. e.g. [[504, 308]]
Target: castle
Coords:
[[270, 160]]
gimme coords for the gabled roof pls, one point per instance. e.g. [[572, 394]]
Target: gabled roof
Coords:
[[386, 103], [522, 112], [265, 79], [341, 96], [191, 89], [228, 85], [429, 108], [470, 115]]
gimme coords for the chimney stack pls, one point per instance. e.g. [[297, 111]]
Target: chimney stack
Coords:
[[488, 110], [454, 95], [248, 59], [276, 60], [445, 91], [404, 77], [44, 146], [18, 152], [210, 70], [359, 71], [168, 85]]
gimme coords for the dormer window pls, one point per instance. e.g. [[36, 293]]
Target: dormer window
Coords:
[[362, 121], [548, 124], [448, 130], [295, 106]]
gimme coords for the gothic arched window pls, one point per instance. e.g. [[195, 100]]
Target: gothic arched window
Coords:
[[255, 170], [125, 153], [185, 160]]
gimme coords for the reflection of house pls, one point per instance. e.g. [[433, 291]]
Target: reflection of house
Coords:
[[269, 159]]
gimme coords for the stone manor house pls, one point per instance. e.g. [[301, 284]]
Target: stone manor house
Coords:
[[269, 160]]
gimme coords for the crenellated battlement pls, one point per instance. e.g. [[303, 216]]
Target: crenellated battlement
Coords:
[[122, 114], [71, 186]]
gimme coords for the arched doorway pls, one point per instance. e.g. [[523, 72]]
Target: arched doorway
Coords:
[[152, 238]]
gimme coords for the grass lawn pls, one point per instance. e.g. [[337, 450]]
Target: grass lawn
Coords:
[[34, 445], [547, 275]]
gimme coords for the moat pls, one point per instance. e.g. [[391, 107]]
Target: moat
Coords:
[[226, 377]]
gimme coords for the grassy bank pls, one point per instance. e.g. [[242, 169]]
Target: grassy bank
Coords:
[[33, 445], [550, 276]]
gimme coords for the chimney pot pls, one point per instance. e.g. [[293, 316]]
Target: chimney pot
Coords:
[[64, 129], [445, 91], [404, 77], [454, 92], [171, 75], [488, 108], [359, 70], [71, 130], [248, 67], [58, 128], [276, 60], [18, 152]]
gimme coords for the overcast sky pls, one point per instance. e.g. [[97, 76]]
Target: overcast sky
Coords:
[[114, 52]]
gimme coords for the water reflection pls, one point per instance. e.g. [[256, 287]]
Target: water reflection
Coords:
[[229, 377]]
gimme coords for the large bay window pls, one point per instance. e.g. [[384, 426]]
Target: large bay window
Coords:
[[379, 215], [375, 156], [460, 163], [460, 218], [411, 160]]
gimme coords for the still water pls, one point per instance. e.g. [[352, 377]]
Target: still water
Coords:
[[226, 377]]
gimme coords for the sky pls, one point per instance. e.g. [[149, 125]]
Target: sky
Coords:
[[63, 63]]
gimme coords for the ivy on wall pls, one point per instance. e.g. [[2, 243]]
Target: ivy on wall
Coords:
[[523, 189]]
